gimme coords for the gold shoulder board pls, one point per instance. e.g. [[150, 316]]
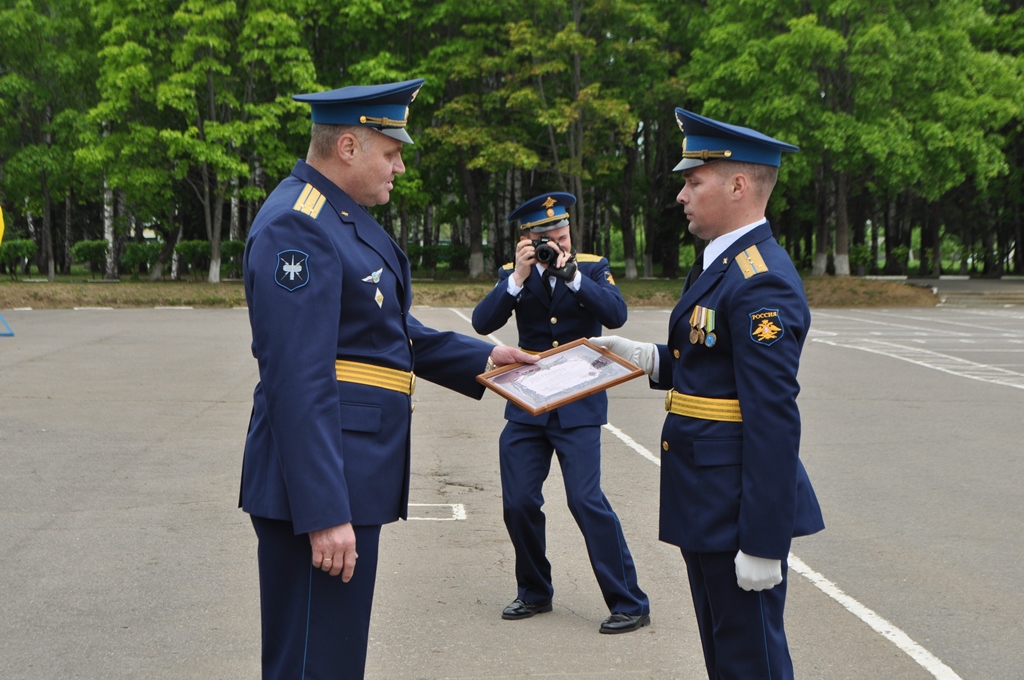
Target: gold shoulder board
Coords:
[[508, 266], [587, 257], [311, 201], [751, 263]]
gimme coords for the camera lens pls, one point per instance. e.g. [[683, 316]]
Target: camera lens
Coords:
[[546, 254]]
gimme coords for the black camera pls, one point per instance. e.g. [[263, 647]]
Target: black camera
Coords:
[[544, 253]]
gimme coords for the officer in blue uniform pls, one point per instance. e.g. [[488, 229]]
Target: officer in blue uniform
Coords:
[[558, 296], [327, 453], [733, 490]]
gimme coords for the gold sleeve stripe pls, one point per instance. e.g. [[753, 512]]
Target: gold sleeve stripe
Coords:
[[751, 263], [310, 201]]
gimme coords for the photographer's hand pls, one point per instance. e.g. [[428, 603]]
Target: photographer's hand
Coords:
[[526, 257], [565, 267]]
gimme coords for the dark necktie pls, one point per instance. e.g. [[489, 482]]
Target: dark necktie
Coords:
[[547, 283], [695, 271]]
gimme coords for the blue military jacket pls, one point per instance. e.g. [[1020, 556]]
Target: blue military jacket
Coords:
[[545, 322], [738, 485], [323, 281]]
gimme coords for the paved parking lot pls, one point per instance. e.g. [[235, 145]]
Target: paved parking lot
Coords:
[[124, 554]]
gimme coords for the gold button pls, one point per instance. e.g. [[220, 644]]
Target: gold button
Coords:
[[555, 343], [664, 445], [554, 319], [675, 353]]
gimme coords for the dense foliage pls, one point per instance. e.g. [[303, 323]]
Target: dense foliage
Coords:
[[175, 116]]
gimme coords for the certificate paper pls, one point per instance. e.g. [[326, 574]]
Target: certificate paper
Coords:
[[561, 376]]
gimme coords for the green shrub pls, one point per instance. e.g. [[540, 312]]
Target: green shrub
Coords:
[[194, 254], [231, 258], [93, 252], [140, 256], [860, 255], [14, 253]]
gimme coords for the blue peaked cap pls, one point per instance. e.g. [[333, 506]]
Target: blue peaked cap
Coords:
[[384, 108], [544, 212], [707, 140]]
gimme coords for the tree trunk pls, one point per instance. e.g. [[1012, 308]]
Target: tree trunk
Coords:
[[108, 231], [235, 230], [820, 267], [218, 227], [47, 228], [842, 253], [66, 260], [626, 208], [473, 181]]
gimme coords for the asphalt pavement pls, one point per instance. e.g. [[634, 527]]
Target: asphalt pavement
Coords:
[[125, 555]]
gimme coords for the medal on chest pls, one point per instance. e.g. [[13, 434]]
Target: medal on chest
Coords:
[[702, 327]]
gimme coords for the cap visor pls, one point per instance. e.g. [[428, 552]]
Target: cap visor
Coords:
[[687, 163], [397, 133]]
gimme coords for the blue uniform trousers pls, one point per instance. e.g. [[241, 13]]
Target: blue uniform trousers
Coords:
[[525, 457], [315, 627], [741, 631]]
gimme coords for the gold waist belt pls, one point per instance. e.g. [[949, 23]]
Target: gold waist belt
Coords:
[[375, 376], [726, 410]]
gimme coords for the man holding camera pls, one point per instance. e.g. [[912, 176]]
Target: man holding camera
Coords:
[[559, 296]]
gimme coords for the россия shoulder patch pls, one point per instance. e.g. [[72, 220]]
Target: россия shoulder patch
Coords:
[[292, 270], [766, 326]]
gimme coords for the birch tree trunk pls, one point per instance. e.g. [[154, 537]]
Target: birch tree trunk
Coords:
[[108, 230]]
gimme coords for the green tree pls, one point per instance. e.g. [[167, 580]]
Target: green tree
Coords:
[[234, 70], [47, 69]]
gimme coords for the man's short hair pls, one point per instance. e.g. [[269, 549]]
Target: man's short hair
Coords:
[[762, 176], [324, 137]]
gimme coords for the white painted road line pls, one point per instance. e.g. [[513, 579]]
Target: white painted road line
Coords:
[[457, 512], [935, 360]]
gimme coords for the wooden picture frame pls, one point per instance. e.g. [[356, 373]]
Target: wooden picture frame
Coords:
[[561, 376]]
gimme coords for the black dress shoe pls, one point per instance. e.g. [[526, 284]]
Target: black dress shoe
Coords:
[[524, 610], [624, 623]]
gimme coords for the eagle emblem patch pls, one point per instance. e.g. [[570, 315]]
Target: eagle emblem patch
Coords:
[[766, 326], [292, 269]]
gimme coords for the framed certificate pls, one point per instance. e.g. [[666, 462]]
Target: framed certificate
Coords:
[[561, 376]]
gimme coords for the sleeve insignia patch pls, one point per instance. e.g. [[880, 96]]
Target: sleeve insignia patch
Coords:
[[751, 263], [310, 201], [609, 278], [766, 326], [292, 269]]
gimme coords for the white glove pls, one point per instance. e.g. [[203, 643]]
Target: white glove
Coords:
[[757, 573], [640, 353]]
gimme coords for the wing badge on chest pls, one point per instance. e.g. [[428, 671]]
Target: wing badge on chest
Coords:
[[374, 278]]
